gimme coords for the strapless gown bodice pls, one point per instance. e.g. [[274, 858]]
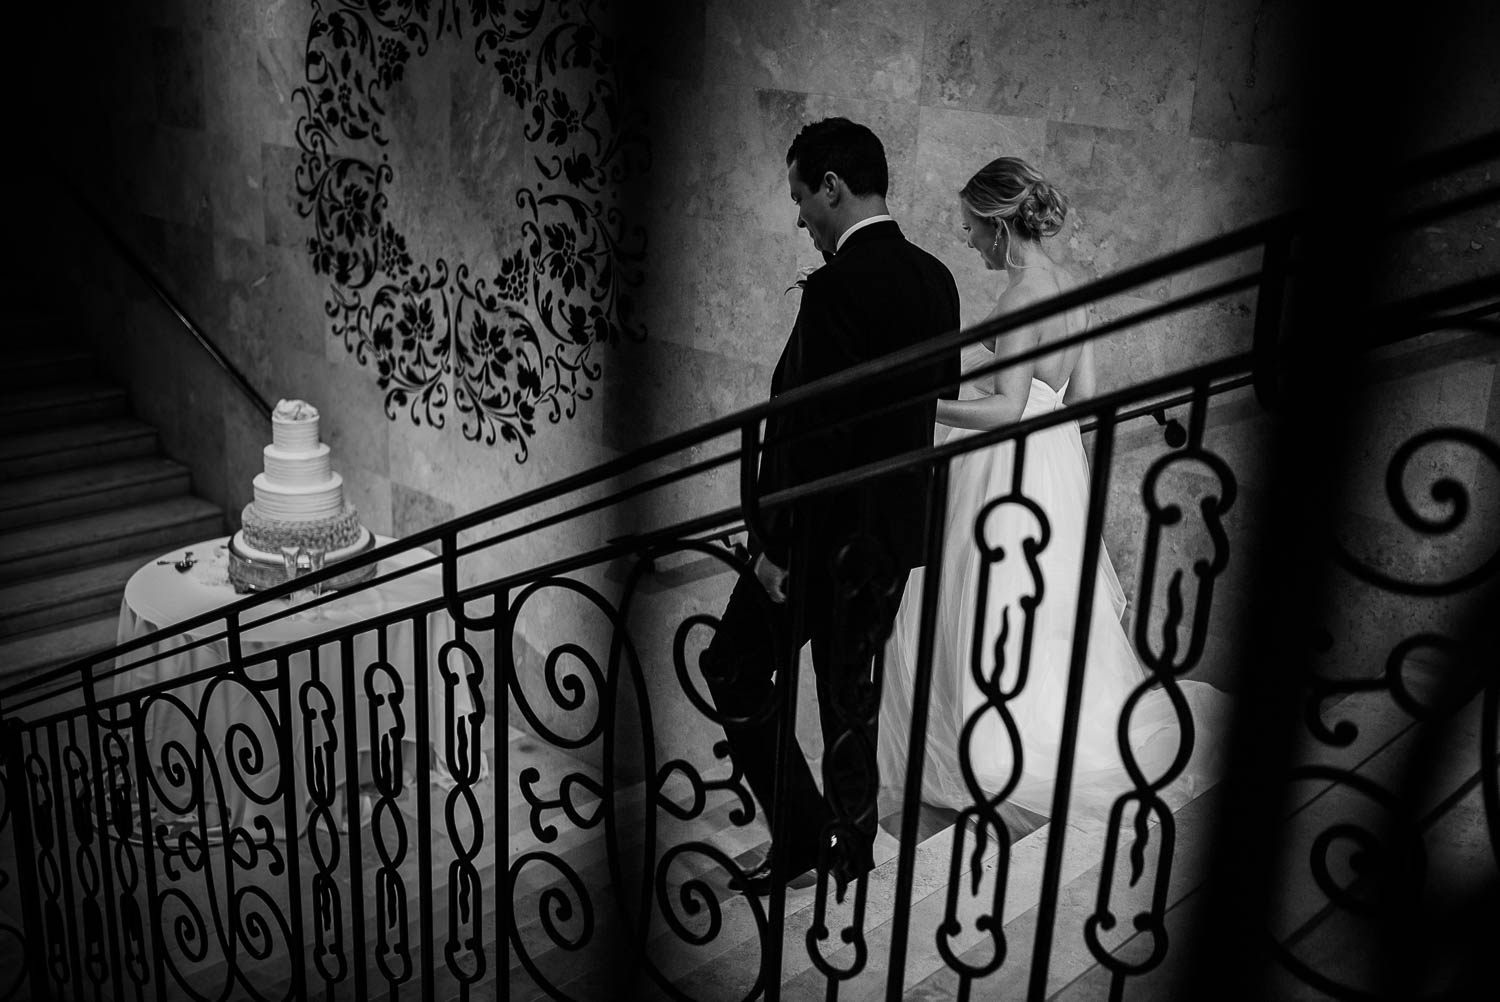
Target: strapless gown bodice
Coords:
[[1041, 399]]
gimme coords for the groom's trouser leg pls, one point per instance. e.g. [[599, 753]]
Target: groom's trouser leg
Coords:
[[849, 710], [738, 665]]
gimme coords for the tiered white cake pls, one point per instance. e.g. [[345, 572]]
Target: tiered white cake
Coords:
[[299, 502]]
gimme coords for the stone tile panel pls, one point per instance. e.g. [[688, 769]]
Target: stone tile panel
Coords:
[[1121, 66]]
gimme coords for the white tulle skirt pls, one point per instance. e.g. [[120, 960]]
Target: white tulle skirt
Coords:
[[985, 515]]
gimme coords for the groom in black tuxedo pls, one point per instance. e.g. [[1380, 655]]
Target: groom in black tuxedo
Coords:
[[830, 569]]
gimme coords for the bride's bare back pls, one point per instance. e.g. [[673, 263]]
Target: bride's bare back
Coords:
[[1072, 366]]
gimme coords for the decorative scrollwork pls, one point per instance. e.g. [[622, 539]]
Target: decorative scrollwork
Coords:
[[1446, 492], [12, 939], [982, 824], [569, 690], [87, 863], [119, 774], [700, 788], [589, 696], [1153, 922], [319, 748], [566, 788], [1364, 864], [385, 694], [520, 343], [999, 666], [1008, 527], [44, 830], [464, 713], [744, 812], [555, 906], [696, 896], [992, 633], [1168, 656], [696, 901], [202, 850]]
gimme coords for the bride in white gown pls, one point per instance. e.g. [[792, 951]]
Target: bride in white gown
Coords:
[[1007, 209]]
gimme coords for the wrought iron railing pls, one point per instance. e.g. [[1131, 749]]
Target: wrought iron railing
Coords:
[[274, 800]]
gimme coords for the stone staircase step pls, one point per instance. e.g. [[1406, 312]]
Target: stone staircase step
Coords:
[[58, 599], [91, 444], [64, 404], [106, 536], [79, 491], [46, 366], [36, 652]]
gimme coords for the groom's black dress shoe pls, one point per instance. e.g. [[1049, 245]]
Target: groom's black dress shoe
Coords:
[[845, 868], [760, 883], [756, 872]]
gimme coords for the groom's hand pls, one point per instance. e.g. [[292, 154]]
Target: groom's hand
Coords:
[[771, 578]]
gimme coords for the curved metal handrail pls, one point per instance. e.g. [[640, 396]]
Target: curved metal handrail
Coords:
[[128, 254]]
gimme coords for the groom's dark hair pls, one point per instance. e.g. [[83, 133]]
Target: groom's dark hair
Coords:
[[846, 148]]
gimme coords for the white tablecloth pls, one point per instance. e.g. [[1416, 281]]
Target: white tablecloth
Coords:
[[232, 716]]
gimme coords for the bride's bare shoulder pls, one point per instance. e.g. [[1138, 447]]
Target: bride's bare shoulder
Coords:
[[1026, 290], [1078, 318]]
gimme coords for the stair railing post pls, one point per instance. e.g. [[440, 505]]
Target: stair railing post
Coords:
[[32, 922]]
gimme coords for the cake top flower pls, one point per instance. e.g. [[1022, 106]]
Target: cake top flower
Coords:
[[294, 410]]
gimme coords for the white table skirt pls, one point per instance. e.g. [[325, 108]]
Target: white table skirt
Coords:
[[234, 715]]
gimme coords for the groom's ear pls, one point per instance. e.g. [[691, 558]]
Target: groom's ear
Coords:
[[833, 187]]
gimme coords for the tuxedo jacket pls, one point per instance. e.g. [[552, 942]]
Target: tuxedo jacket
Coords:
[[878, 294]]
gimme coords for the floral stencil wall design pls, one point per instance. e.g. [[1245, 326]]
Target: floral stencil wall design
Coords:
[[514, 339]]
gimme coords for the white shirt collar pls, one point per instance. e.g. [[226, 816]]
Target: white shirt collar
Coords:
[[882, 218]]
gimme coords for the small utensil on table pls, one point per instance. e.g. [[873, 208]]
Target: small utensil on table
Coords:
[[184, 565]]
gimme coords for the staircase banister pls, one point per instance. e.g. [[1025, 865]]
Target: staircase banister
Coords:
[[1104, 403], [1231, 373], [208, 672], [725, 522], [231, 613], [712, 522], [148, 275]]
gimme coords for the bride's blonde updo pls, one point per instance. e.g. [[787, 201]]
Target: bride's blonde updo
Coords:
[[1008, 190]]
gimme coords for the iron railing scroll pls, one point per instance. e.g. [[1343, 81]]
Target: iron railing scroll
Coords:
[[518, 786]]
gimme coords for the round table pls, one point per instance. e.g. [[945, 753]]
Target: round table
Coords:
[[217, 740]]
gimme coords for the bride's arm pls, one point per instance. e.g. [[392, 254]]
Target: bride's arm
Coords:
[[1012, 383], [1081, 385]]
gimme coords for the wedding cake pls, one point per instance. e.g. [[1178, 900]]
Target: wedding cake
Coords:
[[299, 509]]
